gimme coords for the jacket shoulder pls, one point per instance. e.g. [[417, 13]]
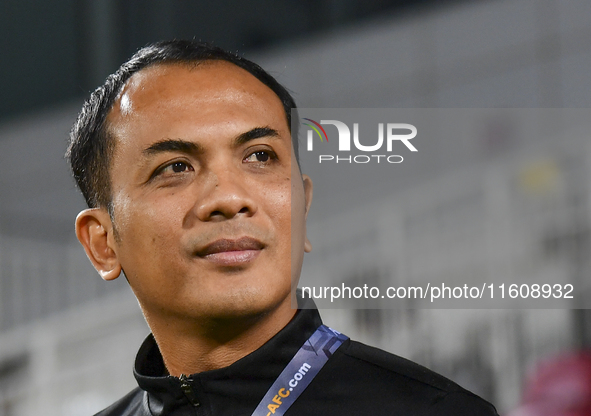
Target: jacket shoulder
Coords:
[[130, 404], [447, 397], [401, 366]]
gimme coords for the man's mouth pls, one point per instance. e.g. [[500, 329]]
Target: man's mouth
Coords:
[[231, 252]]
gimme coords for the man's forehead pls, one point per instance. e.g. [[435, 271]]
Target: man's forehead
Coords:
[[160, 98], [162, 81]]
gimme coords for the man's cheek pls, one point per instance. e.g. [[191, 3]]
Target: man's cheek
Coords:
[[279, 199]]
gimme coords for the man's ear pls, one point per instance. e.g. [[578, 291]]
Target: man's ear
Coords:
[[94, 230], [308, 193]]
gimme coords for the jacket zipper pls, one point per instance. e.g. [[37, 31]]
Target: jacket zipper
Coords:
[[188, 390]]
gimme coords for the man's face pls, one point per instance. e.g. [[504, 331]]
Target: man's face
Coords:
[[202, 192]]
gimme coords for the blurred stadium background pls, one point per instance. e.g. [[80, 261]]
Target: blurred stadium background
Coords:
[[514, 207]]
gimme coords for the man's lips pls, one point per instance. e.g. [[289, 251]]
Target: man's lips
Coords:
[[231, 251], [226, 245]]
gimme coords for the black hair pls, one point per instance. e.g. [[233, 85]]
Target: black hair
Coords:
[[91, 144]]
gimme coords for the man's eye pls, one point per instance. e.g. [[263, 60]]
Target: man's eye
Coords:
[[260, 156], [176, 167]]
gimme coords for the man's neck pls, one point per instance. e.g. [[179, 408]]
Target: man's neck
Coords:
[[189, 347]]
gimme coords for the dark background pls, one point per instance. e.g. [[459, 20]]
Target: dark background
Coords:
[[54, 52]]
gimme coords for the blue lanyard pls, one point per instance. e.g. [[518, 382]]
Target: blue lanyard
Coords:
[[300, 371]]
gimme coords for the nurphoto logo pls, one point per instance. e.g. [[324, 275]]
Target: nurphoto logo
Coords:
[[388, 133]]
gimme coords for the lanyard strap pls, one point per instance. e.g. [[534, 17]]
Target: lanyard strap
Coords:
[[300, 371]]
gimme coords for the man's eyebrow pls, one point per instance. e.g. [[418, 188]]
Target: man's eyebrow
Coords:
[[172, 145], [184, 146], [255, 133]]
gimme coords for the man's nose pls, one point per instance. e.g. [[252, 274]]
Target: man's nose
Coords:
[[225, 195]]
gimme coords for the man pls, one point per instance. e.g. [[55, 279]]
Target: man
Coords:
[[186, 161]]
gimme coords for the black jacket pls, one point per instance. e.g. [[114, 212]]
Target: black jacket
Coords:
[[357, 380]]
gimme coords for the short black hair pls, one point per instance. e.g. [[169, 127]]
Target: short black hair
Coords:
[[91, 144]]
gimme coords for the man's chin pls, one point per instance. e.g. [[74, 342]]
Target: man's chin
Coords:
[[242, 303]]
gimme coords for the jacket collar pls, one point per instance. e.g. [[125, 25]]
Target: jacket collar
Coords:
[[243, 383]]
